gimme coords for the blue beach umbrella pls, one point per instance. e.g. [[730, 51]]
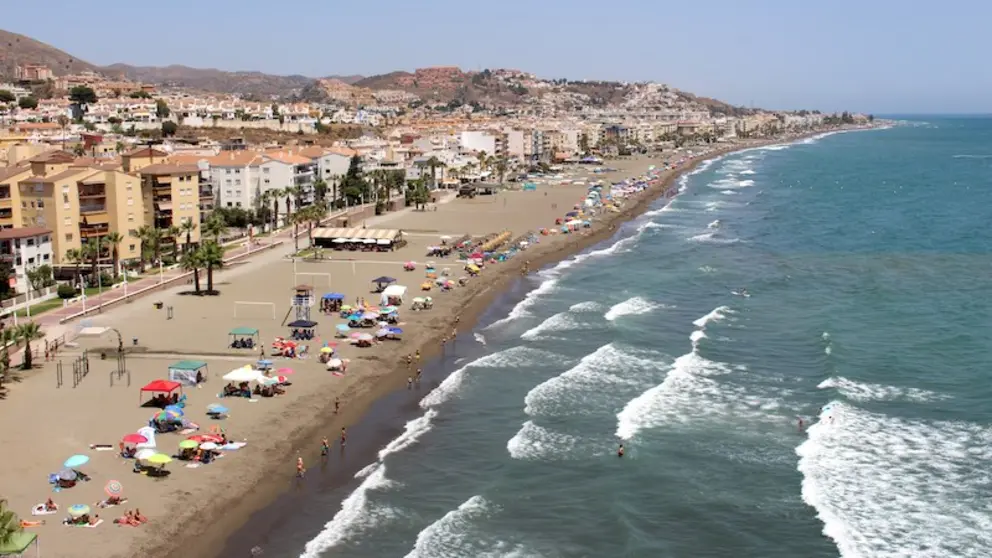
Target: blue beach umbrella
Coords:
[[264, 363], [77, 510], [395, 330], [343, 327], [216, 409], [175, 409], [76, 461]]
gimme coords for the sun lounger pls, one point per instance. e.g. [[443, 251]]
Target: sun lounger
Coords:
[[40, 510]]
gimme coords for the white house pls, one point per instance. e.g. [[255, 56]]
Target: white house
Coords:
[[25, 248]]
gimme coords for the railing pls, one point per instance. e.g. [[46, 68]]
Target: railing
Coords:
[[93, 208], [93, 192]]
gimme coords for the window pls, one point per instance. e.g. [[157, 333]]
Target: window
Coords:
[[24, 205], [228, 182], [229, 204], [67, 221], [129, 186], [237, 182], [44, 239], [68, 237], [44, 257], [32, 204], [130, 217], [130, 201], [17, 243], [39, 188], [239, 204], [30, 261], [65, 188], [265, 170], [130, 247], [266, 180], [30, 242], [237, 193], [228, 192], [41, 204], [237, 171], [227, 171]]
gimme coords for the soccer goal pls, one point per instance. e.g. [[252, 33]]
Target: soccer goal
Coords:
[[313, 278], [246, 305]]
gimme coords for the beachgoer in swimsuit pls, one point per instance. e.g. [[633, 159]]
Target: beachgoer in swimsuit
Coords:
[[337, 405], [620, 451], [325, 447], [420, 372], [300, 470], [409, 382], [344, 437]]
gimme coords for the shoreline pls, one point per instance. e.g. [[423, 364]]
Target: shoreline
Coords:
[[247, 519]]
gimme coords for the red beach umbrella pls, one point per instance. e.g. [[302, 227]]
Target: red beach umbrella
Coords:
[[134, 439]]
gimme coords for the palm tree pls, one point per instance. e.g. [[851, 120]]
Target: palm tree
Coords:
[[173, 233], [433, 163], [191, 261], [10, 524], [8, 338], [319, 190], [275, 194], [28, 332], [501, 166], [92, 250], [114, 239], [187, 226], [211, 257], [293, 194], [151, 238], [214, 228], [63, 122], [75, 256], [296, 219]]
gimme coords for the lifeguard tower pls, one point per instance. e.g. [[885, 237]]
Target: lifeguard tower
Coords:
[[303, 300]]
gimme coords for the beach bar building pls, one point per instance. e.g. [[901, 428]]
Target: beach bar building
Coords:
[[341, 238]]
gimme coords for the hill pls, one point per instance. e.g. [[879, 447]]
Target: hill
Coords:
[[18, 49]]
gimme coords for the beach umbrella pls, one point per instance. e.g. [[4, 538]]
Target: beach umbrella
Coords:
[[201, 438], [188, 444], [209, 446], [113, 488], [158, 459], [284, 371], [395, 331], [343, 327], [382, 333], [175, 409], [76, 461], [134, 439], [244, 374], [326, 350], [389, 309], [166, 416], [334, 363], [216, 409], [364, 337], [264, 363], [356, 335], [144, 454], [67, 475], [78, 510]]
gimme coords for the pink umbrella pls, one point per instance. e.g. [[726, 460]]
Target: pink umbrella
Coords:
[[284, 371], [356, 335], [134, 439]]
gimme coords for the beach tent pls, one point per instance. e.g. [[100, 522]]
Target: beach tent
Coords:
[[392, 292], [302, 324], [160, 386], [244, 332], [381, 282], [333, 296], [185, 371], [19, 543]]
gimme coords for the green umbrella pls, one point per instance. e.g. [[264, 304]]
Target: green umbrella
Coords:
[[188, 444]]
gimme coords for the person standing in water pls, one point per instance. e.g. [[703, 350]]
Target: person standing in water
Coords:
[[420, 373], [801, 425], [325, 447], [344, 437], [300, 469], [620, 451]]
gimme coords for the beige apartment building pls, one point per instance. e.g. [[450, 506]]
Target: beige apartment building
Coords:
[[80, 204], [171, 196]]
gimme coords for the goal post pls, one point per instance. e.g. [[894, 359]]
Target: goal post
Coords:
[[250, 303], [313, 276]]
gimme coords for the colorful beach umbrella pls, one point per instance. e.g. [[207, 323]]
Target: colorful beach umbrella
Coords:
[[166, 416], [78, 510], [76, 461], [158, 459], [188, 444], [284, 371], [175, 409], [216, 409], [134, 439], [113, 488], [326, 350]]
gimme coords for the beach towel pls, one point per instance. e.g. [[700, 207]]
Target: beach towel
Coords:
[[93, 526], [101, 447], [40, 510]]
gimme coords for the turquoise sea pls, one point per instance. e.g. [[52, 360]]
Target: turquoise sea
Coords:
[[867, 259]]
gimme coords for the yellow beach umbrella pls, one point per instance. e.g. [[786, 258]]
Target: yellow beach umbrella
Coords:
[[158, 459], [326, 350]]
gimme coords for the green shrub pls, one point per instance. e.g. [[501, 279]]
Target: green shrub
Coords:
[[66, 291]]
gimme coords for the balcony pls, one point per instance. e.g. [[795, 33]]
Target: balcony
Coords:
[[93, 230], [92, 208], [93, 191], [6, 203]]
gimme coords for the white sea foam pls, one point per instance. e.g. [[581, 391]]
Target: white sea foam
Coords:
[[513, 357], [479, 338], [747, 171], [535, 442], [357, 513], [745, 183], [521, 309], [713, 224], [558, 323], [717, 314], [728, 192], [712, 237], [860, 391], [587, 306], [886, 487], [630, 307], [457, 535], [606, 368]]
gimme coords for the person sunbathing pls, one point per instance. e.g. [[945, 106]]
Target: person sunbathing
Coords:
[[112, 501], [50, 505], [138, 517]]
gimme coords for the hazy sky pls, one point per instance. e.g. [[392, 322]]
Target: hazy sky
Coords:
[[882, 56]]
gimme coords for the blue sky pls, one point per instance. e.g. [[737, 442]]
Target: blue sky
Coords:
[[879, 56]]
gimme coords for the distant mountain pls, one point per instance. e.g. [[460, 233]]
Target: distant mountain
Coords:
[[16, 49]]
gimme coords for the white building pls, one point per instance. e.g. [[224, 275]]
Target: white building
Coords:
[[25, 248], [478, 141]]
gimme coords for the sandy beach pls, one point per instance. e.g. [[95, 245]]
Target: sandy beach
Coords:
[[193, 510]]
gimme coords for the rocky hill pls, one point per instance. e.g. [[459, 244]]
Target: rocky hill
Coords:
[[16, 49]]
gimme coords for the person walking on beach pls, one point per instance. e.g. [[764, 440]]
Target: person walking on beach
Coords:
[[344, 437], [337, 405], [300, 469], [420, 372], [409, 382], [325, 447], [416, 356], [409, 361]]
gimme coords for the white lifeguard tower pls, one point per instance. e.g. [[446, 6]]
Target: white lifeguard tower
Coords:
[[303, 300]]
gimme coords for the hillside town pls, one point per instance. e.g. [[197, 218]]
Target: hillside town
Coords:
[[118, 174]]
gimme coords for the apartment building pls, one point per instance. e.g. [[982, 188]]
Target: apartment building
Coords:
[[133, 161], [171, 197], [10, 198], [80, 204], [25, 249]]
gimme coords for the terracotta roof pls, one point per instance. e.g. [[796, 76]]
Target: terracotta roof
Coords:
[[143, 152], [313, 152], [10, 172], [168, 169], [23, 232], [288, 157], [235, 159], [343, 151], [186, 159], [56, 177], [54, 156]]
